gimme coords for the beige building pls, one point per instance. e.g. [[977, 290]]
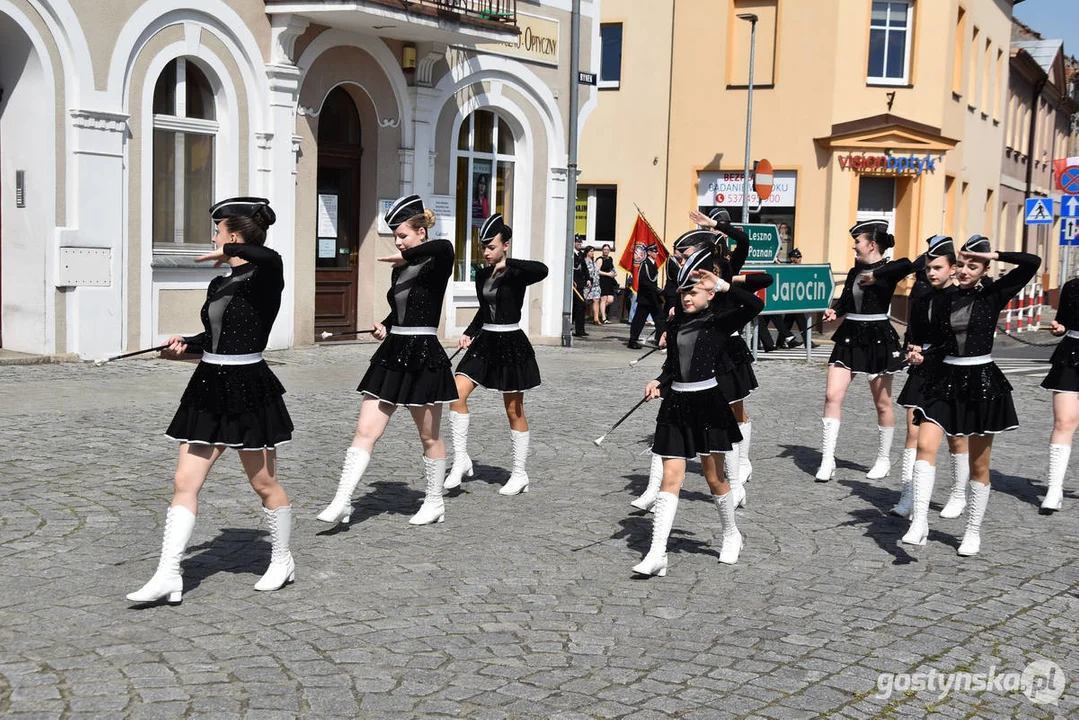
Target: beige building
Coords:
[[121, 121], [865, 108]]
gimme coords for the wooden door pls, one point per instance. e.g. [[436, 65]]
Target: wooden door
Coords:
[[337, 231]]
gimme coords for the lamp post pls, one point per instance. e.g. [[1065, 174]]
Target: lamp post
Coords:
[[571, 172], [752, 20]]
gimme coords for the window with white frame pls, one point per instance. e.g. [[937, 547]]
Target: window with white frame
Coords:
[[610, 57], [890, 30], [485, 162], [185, 128]]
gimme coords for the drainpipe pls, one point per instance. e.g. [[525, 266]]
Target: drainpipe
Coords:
[[1038, 86], [571, 172]]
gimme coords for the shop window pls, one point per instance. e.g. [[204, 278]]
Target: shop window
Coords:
[[596, 216], [610, 58], [890, 30], [184, 131], [738, 40], [485, 185], [876, 199]]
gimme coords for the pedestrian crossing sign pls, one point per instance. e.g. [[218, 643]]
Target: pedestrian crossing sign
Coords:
[[1039, 211]]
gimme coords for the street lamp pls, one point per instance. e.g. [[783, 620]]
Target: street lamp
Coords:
[[752, 20]]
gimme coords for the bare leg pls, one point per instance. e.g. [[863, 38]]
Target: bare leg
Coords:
[[739, 410], [839, 379], [428, 419], [374, 418], [1065, 417], [192, 467], [881, 387], [515, 411], [464, 389], [912, 431], [261, 469], [713, 474]]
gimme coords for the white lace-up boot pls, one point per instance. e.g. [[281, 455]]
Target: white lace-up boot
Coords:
[[1058, 468], [732, 539], [827, 449], [732, 466], [663, 511], [972, 538], [167, 583], [518, 482], [340, 508], [883, 465], [282, 568], [433, 509], [922, 490], [655, 479], [745, 466], [902, 508], [957, 498], [462, 463]]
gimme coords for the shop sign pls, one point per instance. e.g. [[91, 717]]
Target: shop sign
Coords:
[[724, 189], [890, 163], [538, 41]]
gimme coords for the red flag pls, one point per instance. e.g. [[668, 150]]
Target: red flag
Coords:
[[636, 249]]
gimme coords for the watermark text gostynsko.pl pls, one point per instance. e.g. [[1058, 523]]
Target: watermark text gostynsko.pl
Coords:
[[1042, 681]]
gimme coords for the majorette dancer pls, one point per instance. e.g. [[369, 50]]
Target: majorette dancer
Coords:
[[499, 356], [1063, 381], [410, 369], [865, 342], [965, 393], [925, 285], [695, 419], [233, 400]]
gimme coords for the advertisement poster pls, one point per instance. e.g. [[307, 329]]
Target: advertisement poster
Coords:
[[327, 216], [481, 191]]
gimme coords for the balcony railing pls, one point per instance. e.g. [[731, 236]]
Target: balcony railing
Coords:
[[501, 11]]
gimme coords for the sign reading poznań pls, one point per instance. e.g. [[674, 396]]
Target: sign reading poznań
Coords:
[[797, 288], [537, 42], [763, 242]]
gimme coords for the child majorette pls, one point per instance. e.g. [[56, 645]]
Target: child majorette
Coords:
[[410, 369], [865, 343], [964, 393], [695, 418], [1063, 381], [233, 400], [499, 355], [926, 283]]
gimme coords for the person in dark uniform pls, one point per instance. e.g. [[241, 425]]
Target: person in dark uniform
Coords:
[[499, 356], [865, 343], [410, 369], [1063, 381], [670, 284], [233, 399], [649, 299], [964, 393], [580, 280], [792, 320], [695, 419]]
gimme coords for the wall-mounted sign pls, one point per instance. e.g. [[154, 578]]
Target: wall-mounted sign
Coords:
[[586, 78], [537, 42], [916, 164], [724, 189]]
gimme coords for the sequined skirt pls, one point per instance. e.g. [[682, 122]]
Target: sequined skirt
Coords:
[[1064, 374], [694, 423], [410, 370], [872, 347], [967, 399], [734, 369], [238, 406], [503, 361]]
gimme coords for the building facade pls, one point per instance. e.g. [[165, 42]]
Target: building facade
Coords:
[[865, 108], [156, 108]]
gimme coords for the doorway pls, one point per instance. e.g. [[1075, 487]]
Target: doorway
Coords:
[[337, 232]]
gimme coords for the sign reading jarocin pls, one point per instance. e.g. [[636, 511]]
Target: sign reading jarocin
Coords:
[[538, 41]]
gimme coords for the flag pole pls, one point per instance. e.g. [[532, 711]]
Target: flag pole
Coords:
[[645, 218]]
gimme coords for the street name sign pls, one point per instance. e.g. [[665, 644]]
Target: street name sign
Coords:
[[797, 288], [763, 242]]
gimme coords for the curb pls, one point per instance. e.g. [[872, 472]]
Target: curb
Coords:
[[22, 359]]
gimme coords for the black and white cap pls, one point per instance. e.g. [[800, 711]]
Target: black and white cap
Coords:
[[242, 207], [719, 215], [868, 226], [977, 243], [939, 246], [700, 260], [403, 209], [491, 227], [694, 238]]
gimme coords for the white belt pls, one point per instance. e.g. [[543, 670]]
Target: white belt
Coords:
[[510, 327], [972, 360], [694, 386], [1073, 334], [866, 318], [248, 359], [408, 330], [735, 333]]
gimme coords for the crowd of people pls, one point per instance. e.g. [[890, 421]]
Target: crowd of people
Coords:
[[953, 391]]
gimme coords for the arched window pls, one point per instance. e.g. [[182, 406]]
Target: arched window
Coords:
[[485, 157], [185, 126]]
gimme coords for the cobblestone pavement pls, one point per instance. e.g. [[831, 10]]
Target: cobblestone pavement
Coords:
[[515, 607]]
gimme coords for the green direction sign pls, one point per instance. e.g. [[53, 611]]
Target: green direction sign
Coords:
[[763, 242], [797, 288]]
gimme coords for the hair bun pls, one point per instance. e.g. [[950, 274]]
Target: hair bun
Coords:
[[884, 241], [428, 218], [264, 216], [506, 232]]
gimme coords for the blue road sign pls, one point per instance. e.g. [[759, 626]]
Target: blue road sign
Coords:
[[1069, 207], [1069, 180], [1069, 231], [1039, 211]]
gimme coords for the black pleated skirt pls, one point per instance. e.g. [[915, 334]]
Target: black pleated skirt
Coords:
[[410, 370], [694, 423], [911, 394], [503, 361], [1064, 373], [734, 369], [967, 400], [871, 348], [237, 406]]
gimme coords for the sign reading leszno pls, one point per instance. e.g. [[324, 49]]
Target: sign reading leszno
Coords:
[[763, 242]]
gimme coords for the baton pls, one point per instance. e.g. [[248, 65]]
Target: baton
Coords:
[[343, 334], [603, 437], [99, 363], [657, 348], [458, 351]]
